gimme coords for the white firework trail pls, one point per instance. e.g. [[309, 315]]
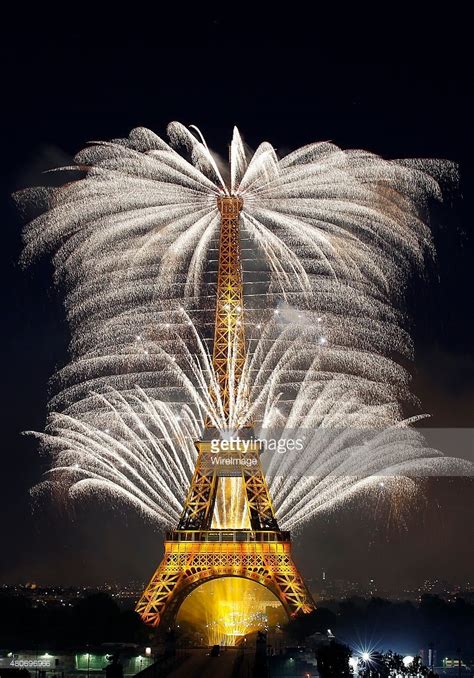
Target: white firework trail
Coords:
[[329, 240]]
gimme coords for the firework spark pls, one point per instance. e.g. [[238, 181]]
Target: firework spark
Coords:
[[329, 241]]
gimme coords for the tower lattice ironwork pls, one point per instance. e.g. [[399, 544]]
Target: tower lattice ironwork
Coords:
[[203, 547]]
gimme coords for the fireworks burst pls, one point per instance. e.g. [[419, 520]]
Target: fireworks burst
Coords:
[[329, 241]]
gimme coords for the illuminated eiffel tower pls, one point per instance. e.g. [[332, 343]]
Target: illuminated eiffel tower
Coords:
[[213, 540]]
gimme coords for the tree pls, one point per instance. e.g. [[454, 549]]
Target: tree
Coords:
[[333, 660], [304, 625], [391, 664]]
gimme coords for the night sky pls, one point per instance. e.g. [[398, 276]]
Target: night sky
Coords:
[[60, 99]]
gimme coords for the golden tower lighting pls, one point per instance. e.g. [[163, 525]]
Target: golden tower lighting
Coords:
[[228, 526]]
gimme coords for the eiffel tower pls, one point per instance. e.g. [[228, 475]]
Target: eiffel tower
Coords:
[[228, 526]]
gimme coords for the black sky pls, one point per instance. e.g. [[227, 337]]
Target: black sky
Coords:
[[61, 97]]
